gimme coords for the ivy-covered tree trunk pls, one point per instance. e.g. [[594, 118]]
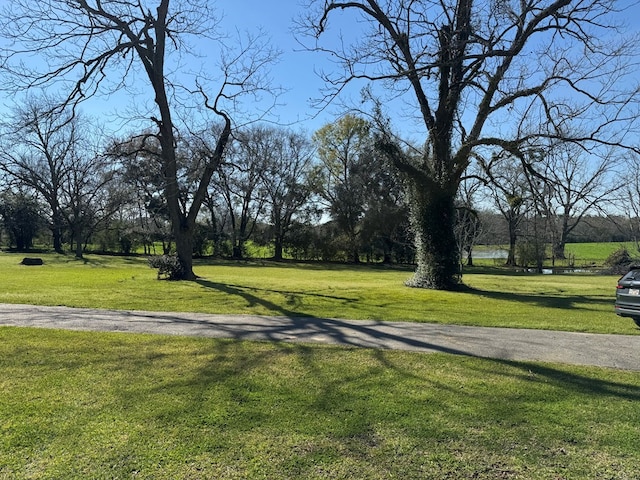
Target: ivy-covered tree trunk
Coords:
[[559, 242], [278, 249], [468, 66], [433, 221]]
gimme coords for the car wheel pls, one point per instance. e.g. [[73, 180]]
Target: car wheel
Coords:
[[637, 320]]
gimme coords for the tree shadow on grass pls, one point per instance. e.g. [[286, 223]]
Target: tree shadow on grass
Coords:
[[340, 390], [255, 296], [578, 382], [563, 302], [580, 379], [331, 401], [292, 298], [304, 265], [325, 402]]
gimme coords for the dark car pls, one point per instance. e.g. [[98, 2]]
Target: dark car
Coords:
[[628, 295]]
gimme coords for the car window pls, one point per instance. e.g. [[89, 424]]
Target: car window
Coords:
[[632, 275]]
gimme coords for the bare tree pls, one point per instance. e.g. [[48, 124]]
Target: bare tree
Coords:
[[630, 198], [89, 199], [99, 46], [508, 188], [484, 76], [38, 152], [571, 185], [468, 225], [239, 182], [50, 154], [285, 180]]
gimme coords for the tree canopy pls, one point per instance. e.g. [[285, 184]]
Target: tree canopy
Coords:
[[89, 47], [483, 77]]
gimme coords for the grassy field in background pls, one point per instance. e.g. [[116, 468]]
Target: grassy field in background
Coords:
[[495, 297], [578, 254], [78, 405], [588, 253]]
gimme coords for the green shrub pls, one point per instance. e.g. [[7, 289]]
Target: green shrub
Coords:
[[530, 253], [169, 266]]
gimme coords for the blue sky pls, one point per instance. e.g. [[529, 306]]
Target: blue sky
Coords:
[[295, 71], [296, 68]]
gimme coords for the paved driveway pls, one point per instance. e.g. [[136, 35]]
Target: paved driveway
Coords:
[[616, 351]]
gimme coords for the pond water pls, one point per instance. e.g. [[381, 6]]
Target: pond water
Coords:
[[501, 254], [490, 254]]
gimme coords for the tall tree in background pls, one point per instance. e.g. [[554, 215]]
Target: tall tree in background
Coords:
[[142, 175], [38, 152], [385, 221], [509, 190], [239, 182], [98, 46], [286, 181], [485, 77], [50, 155], [341, 178], [20, 213], [628, 201], [89, 199], [468, 227], [571, 184]]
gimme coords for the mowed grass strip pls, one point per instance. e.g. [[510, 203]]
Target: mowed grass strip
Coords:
[[79, 405], [572, 302], [596, 252]]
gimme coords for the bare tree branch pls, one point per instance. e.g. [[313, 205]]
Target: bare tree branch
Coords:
[[483, 77]]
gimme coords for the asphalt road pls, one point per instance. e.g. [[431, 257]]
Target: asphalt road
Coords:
[[615, 351]]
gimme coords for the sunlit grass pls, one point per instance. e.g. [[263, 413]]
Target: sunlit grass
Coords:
[[576, 302], [92, 405], [96, 405], [597, 252]]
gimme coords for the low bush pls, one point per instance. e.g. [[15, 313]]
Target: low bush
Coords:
[[618, 262], [169, 266]]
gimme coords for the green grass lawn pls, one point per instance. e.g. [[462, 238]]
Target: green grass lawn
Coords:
[[575, 302], [587, 253], [79, 405]]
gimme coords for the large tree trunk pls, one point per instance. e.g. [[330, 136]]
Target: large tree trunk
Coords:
[[56, 231], [513, 237], [278, 250], [79, 243], [558, 250], [236, 253], [279, 246], [183, 233], [561, 240], [433, 220], [57, 239], [278, 237], [352, 242]]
